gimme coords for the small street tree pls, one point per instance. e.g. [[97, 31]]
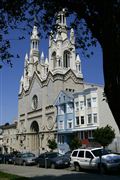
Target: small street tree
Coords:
[[104, 135], [52, 144], [74, 143]]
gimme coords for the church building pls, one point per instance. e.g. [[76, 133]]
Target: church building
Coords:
[[40, 84]]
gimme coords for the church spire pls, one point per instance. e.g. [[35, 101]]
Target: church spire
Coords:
[[78, 64], [62, 26], [26, 65], [72, 36], [61, 20], [34, 50], [34, 38]]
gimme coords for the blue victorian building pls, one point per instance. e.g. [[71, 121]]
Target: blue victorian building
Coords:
[[79, 114], [65, 119]]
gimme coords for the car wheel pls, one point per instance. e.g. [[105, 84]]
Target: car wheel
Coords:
[[6, 162], [52, 166], [24, 163], [77, 167], [102, 169], [38, 164]]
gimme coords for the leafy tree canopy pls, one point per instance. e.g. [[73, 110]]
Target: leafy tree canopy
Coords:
[[14, 12], [104, 135], [75, 143]]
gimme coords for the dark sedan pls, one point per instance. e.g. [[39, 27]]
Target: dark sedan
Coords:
[[1, 158], [9, 158], [52, 160]]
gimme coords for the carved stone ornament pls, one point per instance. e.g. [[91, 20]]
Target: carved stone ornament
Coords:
[[50, 123]]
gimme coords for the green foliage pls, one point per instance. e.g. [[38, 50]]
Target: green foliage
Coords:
[[52, 144], [20, 15], [6, 176], [104, 135], [75, 142]]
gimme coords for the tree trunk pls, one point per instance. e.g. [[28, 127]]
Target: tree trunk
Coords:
[[111, 68]]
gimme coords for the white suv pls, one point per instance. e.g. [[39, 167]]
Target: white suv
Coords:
[[90, 158]]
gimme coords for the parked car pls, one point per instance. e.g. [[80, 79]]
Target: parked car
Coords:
[[95, 158], [1, 158], [52, 160], [9, 158], [25, 159], [67, 155]]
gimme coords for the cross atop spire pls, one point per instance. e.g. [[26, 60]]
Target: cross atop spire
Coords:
[[62, 18], [35, 21], [35, 33]]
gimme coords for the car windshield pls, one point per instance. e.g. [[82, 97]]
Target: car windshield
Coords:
[[28, 155], [53, 155], [99, 152]]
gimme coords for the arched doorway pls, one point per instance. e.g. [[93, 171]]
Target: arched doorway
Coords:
[[35, 140], [34, 127]]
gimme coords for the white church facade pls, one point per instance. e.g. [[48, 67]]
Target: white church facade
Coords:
[[40, 84]]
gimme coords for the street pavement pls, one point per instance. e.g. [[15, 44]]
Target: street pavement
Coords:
[[35, 173]]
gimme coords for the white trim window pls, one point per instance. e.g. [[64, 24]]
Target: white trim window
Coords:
[[89, 103], [89, 118], [62, 109], [77, 121], [82, 136], [77, 106], [90, 134], [69, 108], [82, 120], [95, 117], [61, 124], [69, 123], [94, 101], [61, 139], [81, 105]]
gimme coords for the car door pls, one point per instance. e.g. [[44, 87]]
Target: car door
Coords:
[[42, 160], [89, 162], [18, 159], [80, 158]]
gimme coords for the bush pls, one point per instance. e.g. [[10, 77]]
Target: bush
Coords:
[[52, 144]]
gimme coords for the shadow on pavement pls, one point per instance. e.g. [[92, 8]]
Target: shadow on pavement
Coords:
[[77, 176]]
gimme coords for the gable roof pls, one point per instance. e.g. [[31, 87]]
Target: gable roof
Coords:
[[63, 97]]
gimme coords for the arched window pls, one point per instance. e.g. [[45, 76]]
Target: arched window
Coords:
[[33, 44], [54, 59], [66, 59], [63, 19], [60, 18], [36, 45], [59, 63]]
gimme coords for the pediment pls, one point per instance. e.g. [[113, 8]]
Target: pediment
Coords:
[[35, 79], [71, 74], [49, 77], [22, 93]]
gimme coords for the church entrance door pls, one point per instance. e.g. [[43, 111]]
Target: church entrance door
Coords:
[[35, 140]]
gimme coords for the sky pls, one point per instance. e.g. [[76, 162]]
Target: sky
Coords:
[[10, 77]]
